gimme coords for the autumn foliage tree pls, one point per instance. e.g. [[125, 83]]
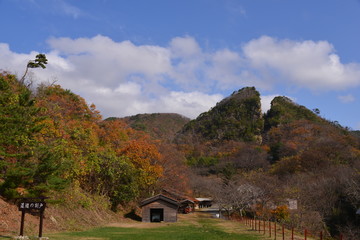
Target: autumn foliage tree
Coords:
[[302, 146], [52, 139], [145, 157], [103, 157]]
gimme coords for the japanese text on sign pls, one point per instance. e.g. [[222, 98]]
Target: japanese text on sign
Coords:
[[32, 205]]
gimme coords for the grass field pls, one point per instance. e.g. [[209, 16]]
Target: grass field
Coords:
[[189, 227]]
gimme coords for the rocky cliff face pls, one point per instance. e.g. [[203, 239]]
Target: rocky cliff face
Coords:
[[237, 117], [283, 110]]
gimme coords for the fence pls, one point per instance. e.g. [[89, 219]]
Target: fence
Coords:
[[279, 231]]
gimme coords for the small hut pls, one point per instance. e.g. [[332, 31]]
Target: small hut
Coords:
[[159, 208], [186, 206]]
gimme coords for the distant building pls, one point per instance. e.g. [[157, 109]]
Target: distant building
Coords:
[[204, 202], [292, 204], [159, 208], [186, 206]]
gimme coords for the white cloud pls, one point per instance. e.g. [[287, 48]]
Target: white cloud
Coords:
[[308, 64], [229, 70], [188, 64], [266, 102], [227, 66], [190, 104], [346, 98], [128, 88], [99, 55], [184, 47], [129, 99], [14, 62], [122, 78]]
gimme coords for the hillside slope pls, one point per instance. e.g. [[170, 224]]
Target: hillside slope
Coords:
[[158, 125], [56, 218], [283, 110], [237, 117]]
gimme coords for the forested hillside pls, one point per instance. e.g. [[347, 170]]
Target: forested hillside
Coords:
[[162, 126], [52, 143], [237, 117], [302, 157]]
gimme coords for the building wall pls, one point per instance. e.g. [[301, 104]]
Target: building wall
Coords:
[[170, 211]]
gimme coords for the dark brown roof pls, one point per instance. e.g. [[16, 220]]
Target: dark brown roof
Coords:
[[177, 195], [173, 194], [159, 197], [187, 201]]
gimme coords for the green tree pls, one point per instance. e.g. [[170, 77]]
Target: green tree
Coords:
[[112, 176], [18, 123], [40, 61]]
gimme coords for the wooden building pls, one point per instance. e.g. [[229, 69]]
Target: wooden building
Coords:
[[159, 208], [186, 206], [186, 203]]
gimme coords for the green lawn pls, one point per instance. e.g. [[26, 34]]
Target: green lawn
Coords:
[[173, 232], [198, 229]]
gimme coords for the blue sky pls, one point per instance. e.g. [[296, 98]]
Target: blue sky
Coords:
[[143, 56]]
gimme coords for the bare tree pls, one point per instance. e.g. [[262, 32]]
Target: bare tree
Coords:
[[352, 186], [237, 197]]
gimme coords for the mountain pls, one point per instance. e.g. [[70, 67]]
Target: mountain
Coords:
[[301, 156], [283, 110], [158, 125], [237, 117]]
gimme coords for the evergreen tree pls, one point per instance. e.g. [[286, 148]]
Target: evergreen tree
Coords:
[[18, 123]]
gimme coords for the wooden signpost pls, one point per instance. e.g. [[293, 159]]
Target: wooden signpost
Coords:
[[32, 204]]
